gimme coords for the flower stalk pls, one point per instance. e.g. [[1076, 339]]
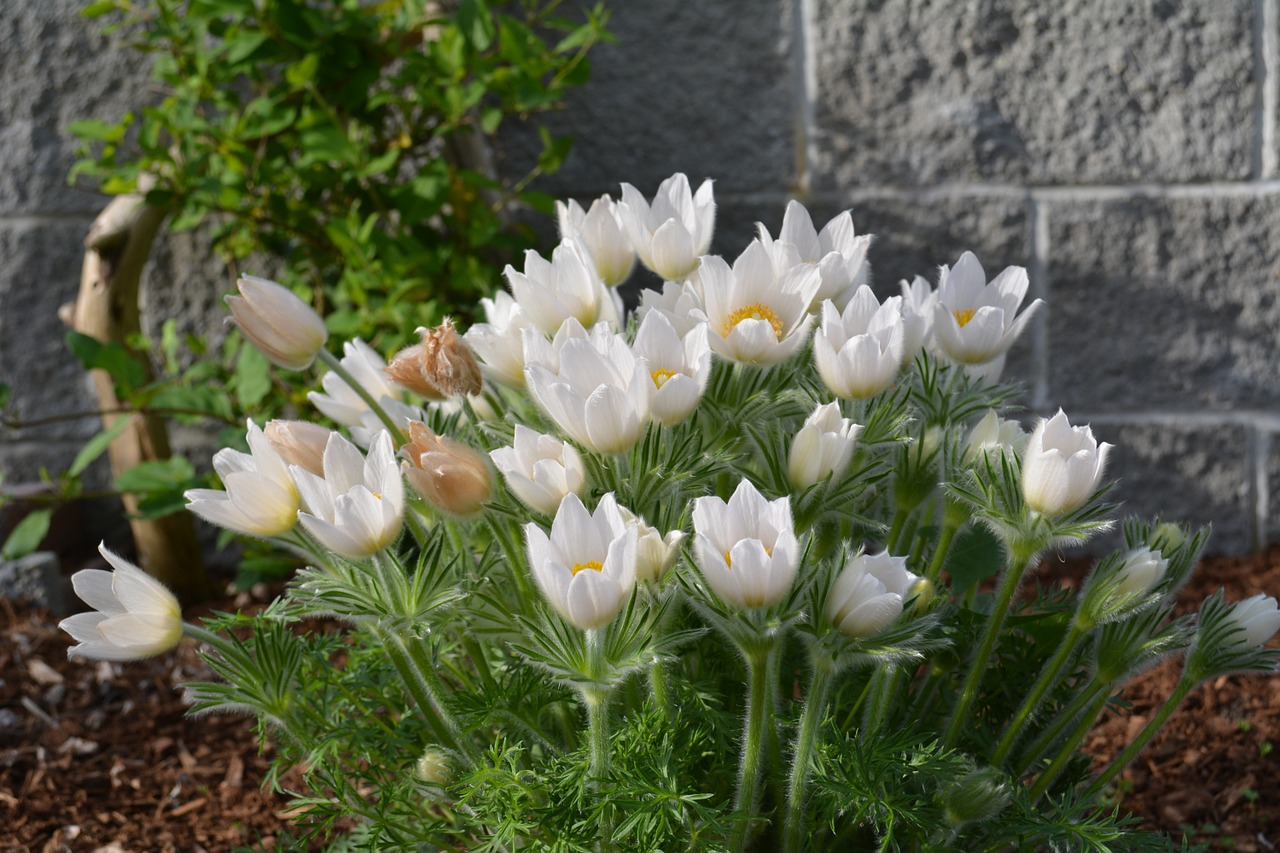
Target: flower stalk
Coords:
[[810, 720], [755, 730], [331, 361]]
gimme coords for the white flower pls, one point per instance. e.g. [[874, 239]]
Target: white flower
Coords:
[[917, 317], [992, 433], [973, 321], [1061, 465], [586, 568], [594, 388], [754, 315], [678, 301], [600, 233], [499, 343], [655, 553], [567, 286], [823, 446], [287, 330], [859, 352], [679, 369], [1257, 618], [135, 615], [540, 470], [357, 508], [260, 498], [672, 234], [1141, 571], [341, 403], [746, 548], [837, 252], [299, 443], [868, 595]]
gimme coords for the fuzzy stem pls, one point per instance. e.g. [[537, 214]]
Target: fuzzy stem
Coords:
[[895, 528], [408, 674], [658, 684], [1085, 697], [754, 731], [1083, 727], [331, 361], [1048, 677], [949, 530], [1186, 684], [596, 700], [1019, 561], [810, 720], [882, 690], [436, 688]]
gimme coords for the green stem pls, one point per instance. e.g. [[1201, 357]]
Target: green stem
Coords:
[[882, 691], [1048, 677], [1043, 741], [810, 720], [596, 700], [895, 528], [1186, 684], [1019, 561], [949, 530], [1068, 750], [658, 684], [331, 361], [408, 674], [756, 726]]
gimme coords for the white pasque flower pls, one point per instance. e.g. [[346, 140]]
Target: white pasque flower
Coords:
[[1142, 570], [754, 314], [823, 446], [135, 616], [655, 553], [260, 498], [600, 233], [1061, 465], [675, 231], [973, 321], [992, 433], [858, 352], [1257, 618], [917, 317], [287, 330], [342, 404], [540, 470], [678, 301], [567, 286], [869, 593], [593, 387], [678, 368], [586, 568], [837, 251], [498, 343], [746, 548], [357, 508]]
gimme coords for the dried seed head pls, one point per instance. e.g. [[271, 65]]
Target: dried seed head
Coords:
[[448, 362]]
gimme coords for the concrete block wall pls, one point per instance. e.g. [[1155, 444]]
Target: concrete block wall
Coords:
[[1124, 151]]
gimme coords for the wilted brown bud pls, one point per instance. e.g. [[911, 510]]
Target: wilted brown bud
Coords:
[[451, 476], [299, 443], [405, 370], [443, 365]]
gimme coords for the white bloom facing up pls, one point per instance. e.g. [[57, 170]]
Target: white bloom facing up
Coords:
[[837, 252], [992, 433], [260, 498], [134, 616], [357, 508], [655, 553], [746, 548], [858, 352], [287, 330], [675, 231], [498, 343], [1061, 465], [869, 593], [755, 315], [973, 321], [678, 368], [342, 404], [567, 286], [540, 470], [1258, 619], [600, 233], [586, 567], [679, 302], [822, 447], [593, 387]]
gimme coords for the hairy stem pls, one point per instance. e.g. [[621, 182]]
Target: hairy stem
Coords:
[[1186, 684], [814, 707], [331, 361], [1048, 677], [754, 732]]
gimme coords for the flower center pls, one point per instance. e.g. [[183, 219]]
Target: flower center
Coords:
[[964, 315], [728, 560], [661, 376], [593, 565], [754, 311]]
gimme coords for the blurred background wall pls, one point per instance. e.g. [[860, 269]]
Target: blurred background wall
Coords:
[[1124, 152]]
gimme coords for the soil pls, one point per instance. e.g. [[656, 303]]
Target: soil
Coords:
[[102, 757]]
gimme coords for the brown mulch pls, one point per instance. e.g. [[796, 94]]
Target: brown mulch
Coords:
[[101, 757]]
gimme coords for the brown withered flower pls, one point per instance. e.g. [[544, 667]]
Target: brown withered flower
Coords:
[[442, 365]]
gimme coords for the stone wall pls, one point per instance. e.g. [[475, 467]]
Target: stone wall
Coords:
[[1125, 152]]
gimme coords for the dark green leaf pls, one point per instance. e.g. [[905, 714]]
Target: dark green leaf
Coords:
[[117, 361], [96, 446], [157, 476], [27, 535], [976, 555], [476, 23]]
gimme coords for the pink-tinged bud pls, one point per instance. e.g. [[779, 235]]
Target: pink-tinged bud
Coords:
[[286, 329], [451, 476], [299, 443]]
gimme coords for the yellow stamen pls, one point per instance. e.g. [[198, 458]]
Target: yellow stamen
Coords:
[[728, 561], [660, 376], [594, 565], [964, 315], [754, 311]]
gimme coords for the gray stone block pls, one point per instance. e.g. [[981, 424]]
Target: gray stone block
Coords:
[[36, 578], [1080, 91], [1164, 303], [702, 88], [57, 68]]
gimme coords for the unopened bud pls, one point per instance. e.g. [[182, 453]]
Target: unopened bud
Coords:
[[285, 329], [451, 476], [299, 443], [1167, 538], [433, 768], [977, 796], [923, 592]]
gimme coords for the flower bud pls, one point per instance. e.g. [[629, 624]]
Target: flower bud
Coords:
[[868, 595], [822, 447], [299, 443], [405, 370], [655, 553], [286, 329], [1141, 571], [448, 362], [1061, 466], [1167, 538], [451, 476], [978, 795], [434, 769], [924, 592], [1257, 618], [992, 433]]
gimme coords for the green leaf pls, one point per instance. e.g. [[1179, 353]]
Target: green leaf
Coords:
[[99, 8], [156, 475], [476, 23], [92, 128], [27, 535], [96, 446], [976, 555], [300, 74], [253, 377], [117, 361]]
